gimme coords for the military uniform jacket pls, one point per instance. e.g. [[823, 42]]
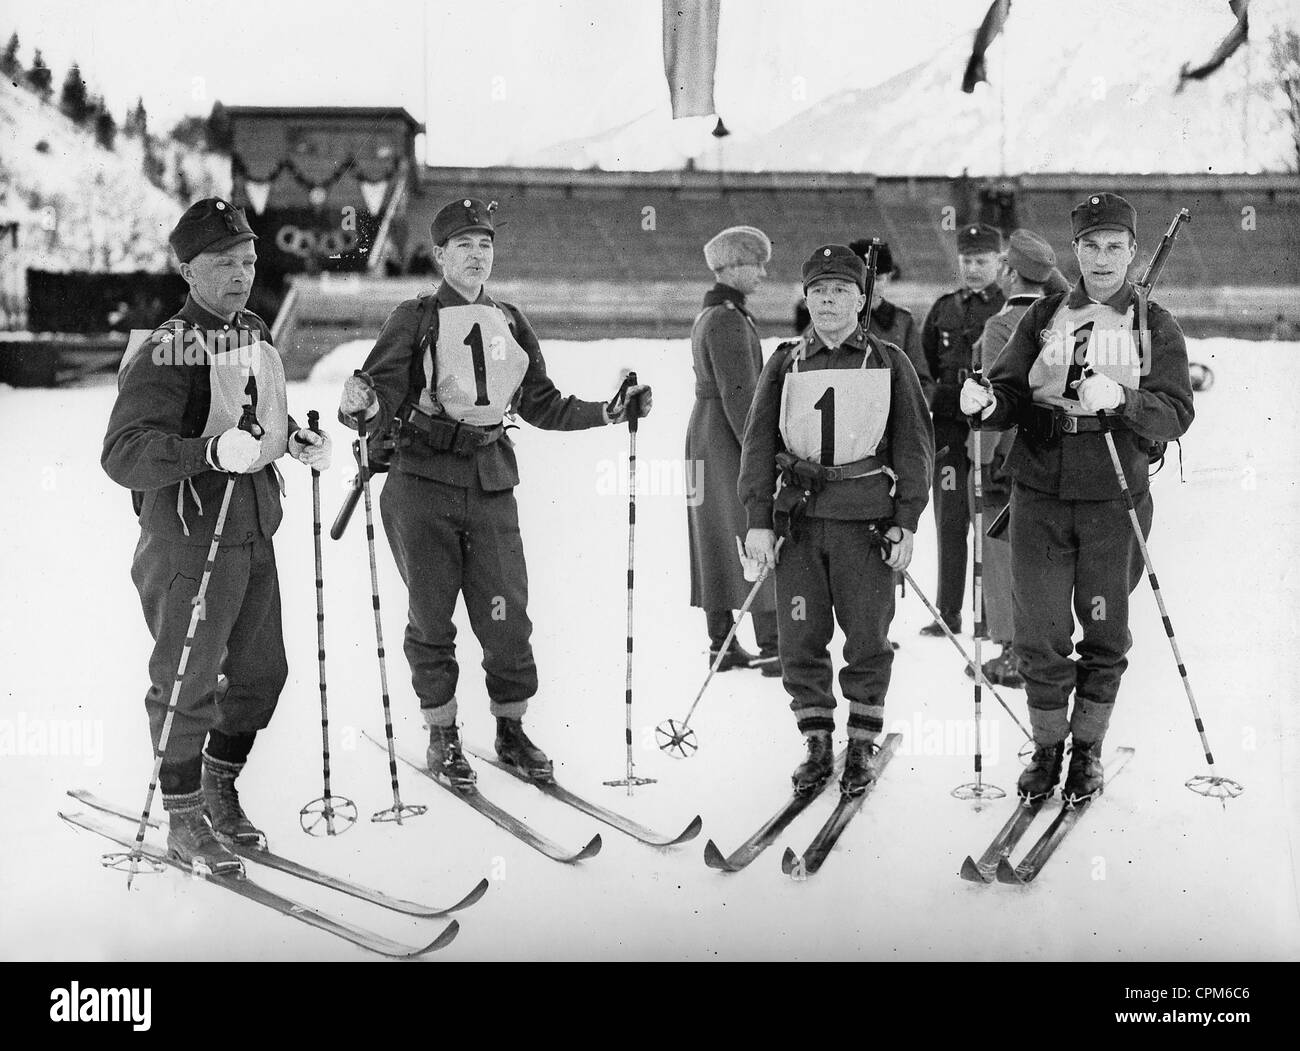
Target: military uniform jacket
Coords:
[[395, 367], [907, 445], [896, 325], [951, 328], [1078, 466], [154, 443]]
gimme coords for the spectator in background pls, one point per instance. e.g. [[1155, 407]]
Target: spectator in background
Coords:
[[727, 358]]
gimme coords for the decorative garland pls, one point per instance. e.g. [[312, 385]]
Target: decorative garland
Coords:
[[287, 165]]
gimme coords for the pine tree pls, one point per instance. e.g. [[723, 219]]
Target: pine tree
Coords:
[[72, 99], [39, 77], [9, 64], [105, 125], [220, 137], [153, 166], [191, 131], [137, 121]]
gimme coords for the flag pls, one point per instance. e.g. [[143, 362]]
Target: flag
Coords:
[[1235, 38], [258, 194], [690, 54], [994, 19], [373, 194]]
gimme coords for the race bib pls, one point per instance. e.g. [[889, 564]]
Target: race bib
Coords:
[[834, 416], [477, 365], [1094, 334], [229, 372]]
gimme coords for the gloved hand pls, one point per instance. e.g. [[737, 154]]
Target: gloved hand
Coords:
[[760, 545], [976, 399], [641, 393], [358, 396], [306, 446], [900, 551], [233, 451], [1099, 393]]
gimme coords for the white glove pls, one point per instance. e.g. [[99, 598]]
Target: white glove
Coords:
[[645, 400], [1100, 393], [306, 446], [976, 398], [358, 396], [233, 451]]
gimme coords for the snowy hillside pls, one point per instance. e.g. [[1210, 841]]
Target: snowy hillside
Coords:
[[82, 207], [1075, 100], [1151, 872]]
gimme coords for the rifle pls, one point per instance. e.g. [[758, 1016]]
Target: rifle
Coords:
[[380, 448], [1152, 275]]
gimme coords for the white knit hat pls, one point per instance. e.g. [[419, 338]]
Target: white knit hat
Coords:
[[736, 245]]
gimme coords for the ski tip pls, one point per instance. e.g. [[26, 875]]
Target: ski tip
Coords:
[[590, 850], [444, 939], [1007, 874], [470, 898], [971, 872], [788, 861], [714, 858], [689, 832]]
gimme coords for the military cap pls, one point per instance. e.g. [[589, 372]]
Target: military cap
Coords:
[[1103, 211], [468, 213], [884, 257], [209, 225], [979, 237], [1030, 256], [835, 261], [737, 245]]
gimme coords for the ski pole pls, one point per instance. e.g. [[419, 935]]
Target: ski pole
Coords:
[[132, 859], [979, 672], [633, 411], [977, 789], [327, 806], [678, 739], [1210, 784], [399, 809]]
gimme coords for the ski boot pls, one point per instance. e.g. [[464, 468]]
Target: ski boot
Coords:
[[514, 747], [935, 630], [768, 662], [1085, 778], [735, 658], [1002, 670], [1038, 780], [818, 765], [190, 839], [858, 773], [221, 801], [446, 760]]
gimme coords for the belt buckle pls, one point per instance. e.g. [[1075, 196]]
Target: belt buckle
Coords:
[[1069, 424]]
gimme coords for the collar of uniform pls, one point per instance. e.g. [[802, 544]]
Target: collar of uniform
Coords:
[[722, 293], [855, 340], [1022, 299], [884, 313], [1118, 302], [984, 294], [446, 296], [195, 314]]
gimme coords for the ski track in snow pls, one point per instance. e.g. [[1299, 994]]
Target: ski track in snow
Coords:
[[1152, 872]]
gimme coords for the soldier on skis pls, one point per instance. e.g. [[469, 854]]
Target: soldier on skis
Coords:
[[174, 440], [839, 418], [447, 370], [1073, 548]]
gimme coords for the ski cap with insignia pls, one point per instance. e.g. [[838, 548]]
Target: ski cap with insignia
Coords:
[[835, 261], [209, 225], [467, 213], [1103, 211], [979, 237]]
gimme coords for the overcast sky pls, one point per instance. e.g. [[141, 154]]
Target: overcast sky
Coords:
[[504, 76]]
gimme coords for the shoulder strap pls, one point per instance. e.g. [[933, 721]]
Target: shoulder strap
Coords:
[[424, 332]]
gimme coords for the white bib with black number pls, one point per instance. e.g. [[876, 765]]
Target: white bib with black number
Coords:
[[477, 365], [1094, 334], [834, 416]]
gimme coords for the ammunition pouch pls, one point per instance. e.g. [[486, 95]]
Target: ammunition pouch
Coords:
[[1043, 425], [800, 480], [443, 434]]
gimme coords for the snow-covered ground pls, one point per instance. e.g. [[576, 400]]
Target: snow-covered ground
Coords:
[[1152, 872]]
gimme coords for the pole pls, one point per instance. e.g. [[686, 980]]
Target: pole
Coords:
[[344, 810], [633, 410]]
